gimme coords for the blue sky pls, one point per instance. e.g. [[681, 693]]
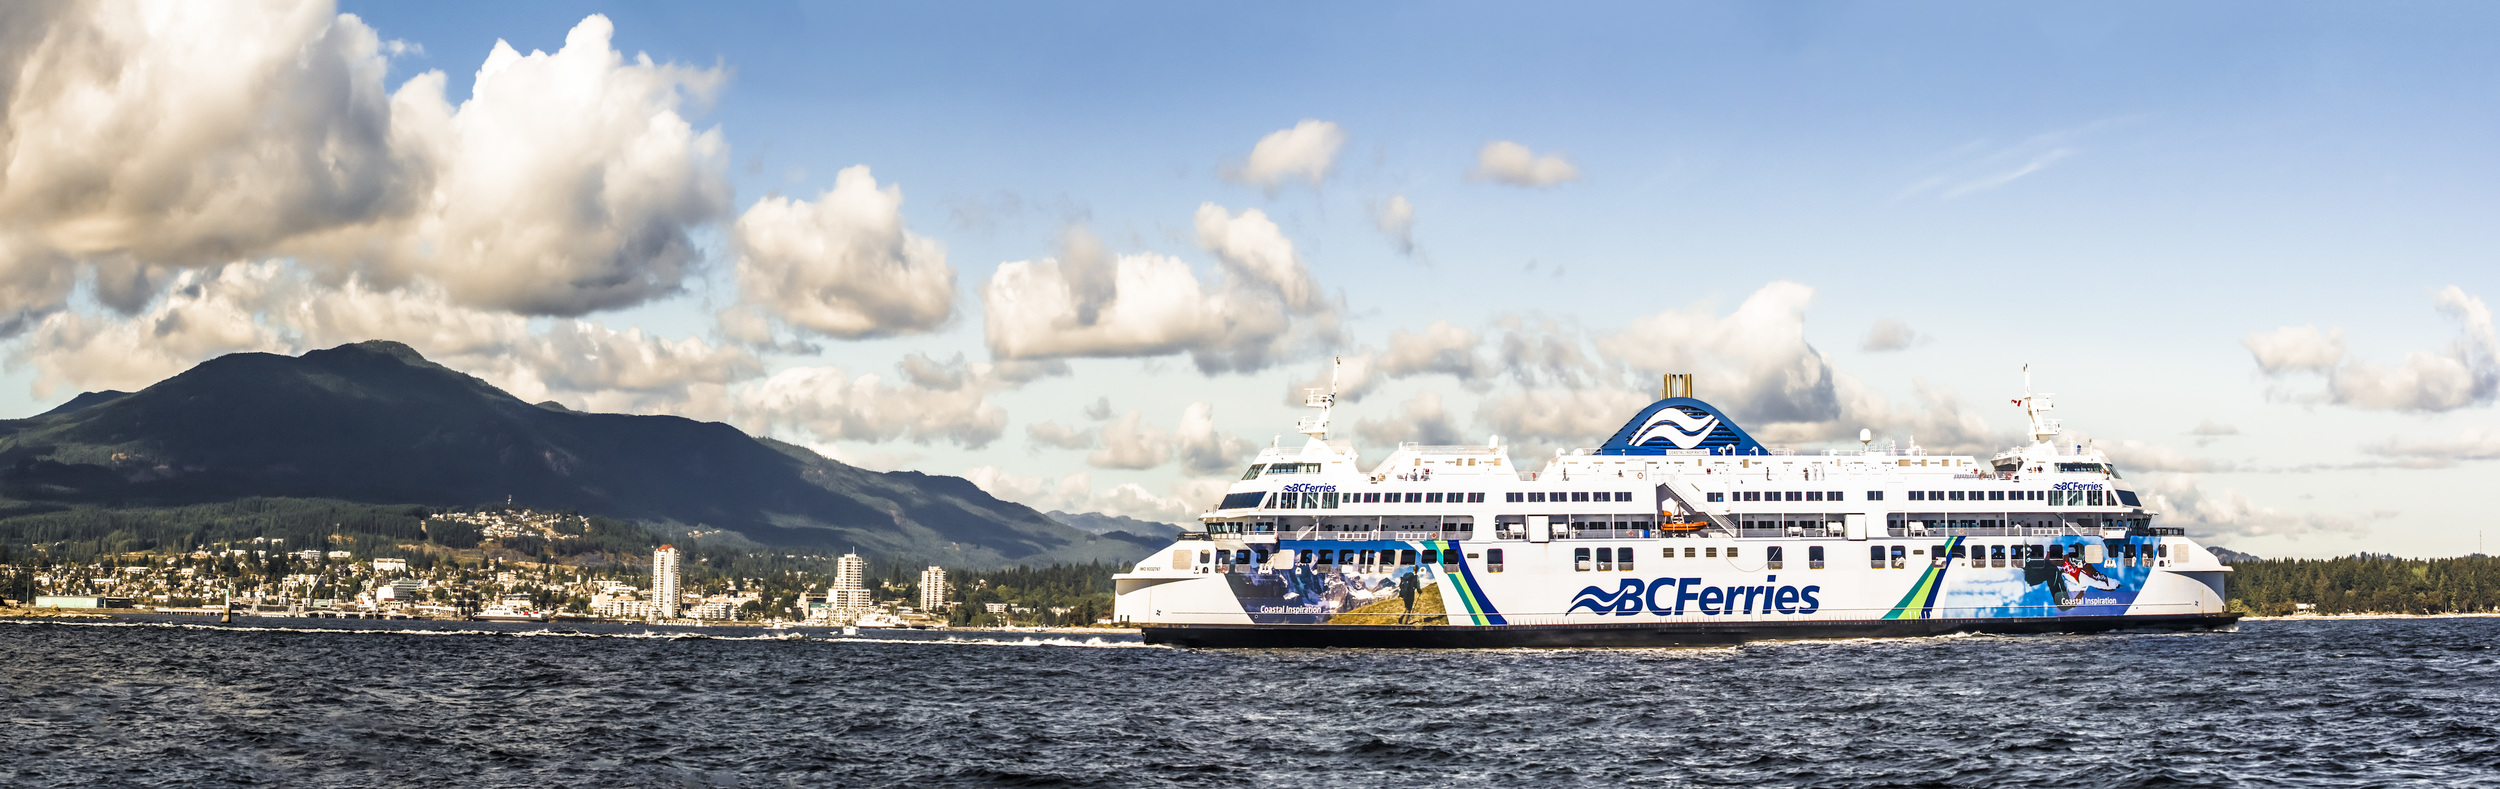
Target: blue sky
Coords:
[[2133, 198]]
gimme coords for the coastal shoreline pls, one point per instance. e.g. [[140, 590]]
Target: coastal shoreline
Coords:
[[2305, 617]]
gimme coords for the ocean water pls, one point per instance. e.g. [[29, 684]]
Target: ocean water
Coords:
[[2359, 703]]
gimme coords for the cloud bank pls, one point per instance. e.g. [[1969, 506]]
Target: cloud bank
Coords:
[[2465, 374]]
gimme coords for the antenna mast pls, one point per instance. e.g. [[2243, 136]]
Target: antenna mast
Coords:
[[2034, 405], [1317, 426]]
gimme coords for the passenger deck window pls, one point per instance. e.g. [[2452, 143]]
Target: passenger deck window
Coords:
[[1709, 552], [1874, 495], [1900, 559], [1580, 559], [1875, 557], [1996, 495], [1774, 557], [1605, 560], [1996, 556], [1579, 495], [1918, 495], [1255, 468], [1623, 559], [1814, 557], [1493, 560], [1514, 498], [1715, 498], [1814, 495], [1535, 497], [1688, 552], [1475, 498]]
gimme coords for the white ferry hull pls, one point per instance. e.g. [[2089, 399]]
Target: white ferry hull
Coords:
[[1680, 530], [1636, 634]]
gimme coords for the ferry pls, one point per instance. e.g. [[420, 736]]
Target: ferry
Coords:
[[1680, 530], [513, 608]]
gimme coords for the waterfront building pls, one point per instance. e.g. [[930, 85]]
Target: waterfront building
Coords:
[[932, 588], [664, 581], [850, 585]]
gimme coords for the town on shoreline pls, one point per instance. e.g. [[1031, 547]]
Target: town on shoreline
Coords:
[[349, 578]]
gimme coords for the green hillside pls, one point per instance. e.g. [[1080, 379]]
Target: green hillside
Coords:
[[375, 423]]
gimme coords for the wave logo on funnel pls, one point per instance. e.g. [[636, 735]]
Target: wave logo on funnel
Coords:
[[1683, 430]]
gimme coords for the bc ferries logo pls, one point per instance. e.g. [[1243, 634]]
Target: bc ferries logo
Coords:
[[2076, 486], [1683, 430], [1671, 596], [1305, 487]]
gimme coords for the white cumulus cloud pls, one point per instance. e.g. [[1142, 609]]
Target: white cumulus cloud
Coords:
[[1059, 436], [142, 138], [1889, 335], [1396, 219], [1307, 151], [2466, 373], [843, 265], [1131, 443], [831, 405], [1754, 361], [1089, 303], [1506, 162]]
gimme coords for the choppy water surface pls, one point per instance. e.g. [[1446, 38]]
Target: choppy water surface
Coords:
[[2279, 703]]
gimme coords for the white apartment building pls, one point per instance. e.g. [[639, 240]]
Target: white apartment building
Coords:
[[932, 588], [664, 582], [850, 585]]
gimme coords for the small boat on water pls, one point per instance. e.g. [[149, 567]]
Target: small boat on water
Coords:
[[876, 619], [514, 608]]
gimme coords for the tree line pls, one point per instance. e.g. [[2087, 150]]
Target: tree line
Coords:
[[2366, 584]]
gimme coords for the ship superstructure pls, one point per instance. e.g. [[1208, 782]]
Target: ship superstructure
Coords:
[[1679, 529]]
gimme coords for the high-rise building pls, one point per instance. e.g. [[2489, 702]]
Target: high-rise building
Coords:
[[850, 585], [664, 581], [932, 588]]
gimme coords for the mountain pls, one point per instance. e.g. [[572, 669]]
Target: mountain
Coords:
[[2228, 556], [376, 422], [1098, 523]]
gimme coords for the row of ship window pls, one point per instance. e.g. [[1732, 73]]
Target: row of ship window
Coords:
[[1791, 495], [1879, 557], [1896, 557], [1329, 500], [2053, 498], [1998, 556]]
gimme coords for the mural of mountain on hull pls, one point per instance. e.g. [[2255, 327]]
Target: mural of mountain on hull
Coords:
[[376, 422]]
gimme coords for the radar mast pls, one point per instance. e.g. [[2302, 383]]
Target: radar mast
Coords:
[[2035, 406], [1322, 399]]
